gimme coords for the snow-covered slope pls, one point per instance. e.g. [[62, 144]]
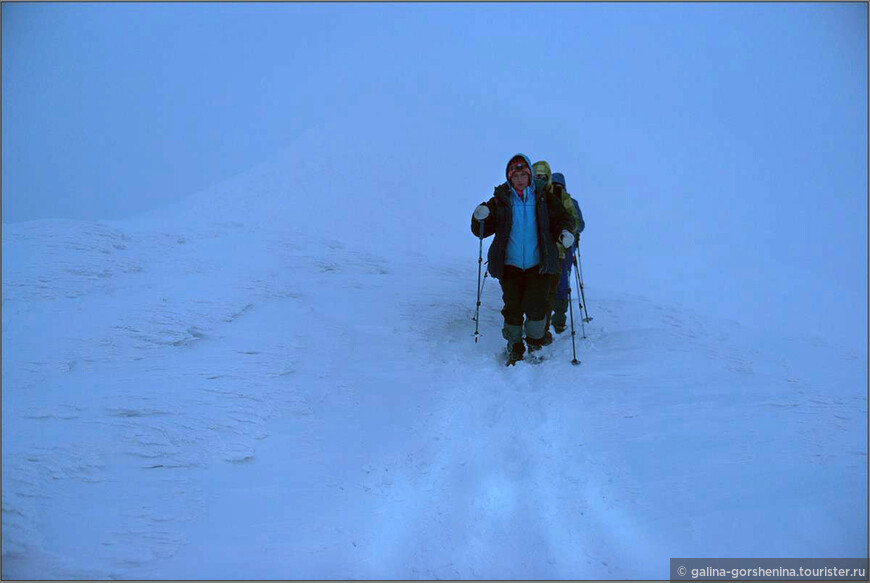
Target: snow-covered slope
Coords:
[[278, 379]]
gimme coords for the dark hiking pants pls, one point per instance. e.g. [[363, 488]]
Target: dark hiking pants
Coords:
[[524, 294], [559, 299], [551, 298]]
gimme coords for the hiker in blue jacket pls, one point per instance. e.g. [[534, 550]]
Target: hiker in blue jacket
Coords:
[[526, 223], [560, 304]]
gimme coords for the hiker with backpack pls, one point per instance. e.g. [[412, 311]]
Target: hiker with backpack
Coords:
[[543, 175], [561, 297], [526, 221]]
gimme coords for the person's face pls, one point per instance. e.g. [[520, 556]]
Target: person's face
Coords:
[[519, 173]]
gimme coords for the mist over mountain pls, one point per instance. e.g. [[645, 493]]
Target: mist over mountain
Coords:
[[718, 150]]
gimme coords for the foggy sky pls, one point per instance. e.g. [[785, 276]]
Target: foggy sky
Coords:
[[735, 132]]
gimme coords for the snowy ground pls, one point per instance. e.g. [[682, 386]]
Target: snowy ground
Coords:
[[277, 378], [243, 400]]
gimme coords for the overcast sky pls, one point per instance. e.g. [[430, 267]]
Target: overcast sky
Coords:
[[113, 108], [735, 132]]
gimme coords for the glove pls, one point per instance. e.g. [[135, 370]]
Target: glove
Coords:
[[566, 239], [481, 212]]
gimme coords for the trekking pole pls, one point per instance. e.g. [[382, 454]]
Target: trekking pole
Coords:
[[479, 287], [485, 274], [573, 345], [580, 269], [579, 274], [580, 286], [483, 285]]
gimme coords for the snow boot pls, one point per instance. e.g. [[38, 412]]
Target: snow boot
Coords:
[[536, 344], [515, 348], [560, 315], [536, 334], [515, 353]]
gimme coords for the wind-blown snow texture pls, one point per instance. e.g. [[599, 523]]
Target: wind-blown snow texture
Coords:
[[263, 383]]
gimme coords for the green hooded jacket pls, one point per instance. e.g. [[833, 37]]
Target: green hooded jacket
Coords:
[[542, 167]]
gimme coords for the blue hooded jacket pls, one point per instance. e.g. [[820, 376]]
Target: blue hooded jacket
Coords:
[[531, 233], [523, 250]]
